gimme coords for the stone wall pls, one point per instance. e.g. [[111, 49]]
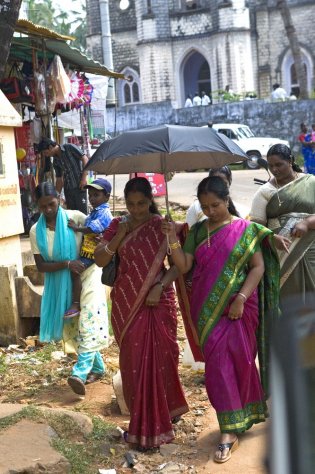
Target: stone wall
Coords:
[[278, 119]]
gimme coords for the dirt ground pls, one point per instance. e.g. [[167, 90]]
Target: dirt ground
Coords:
[[38, 378]]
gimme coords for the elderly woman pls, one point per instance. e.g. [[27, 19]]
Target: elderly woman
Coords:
[[56, 249]]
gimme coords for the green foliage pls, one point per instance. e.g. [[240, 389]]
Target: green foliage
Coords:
[[44, 13]]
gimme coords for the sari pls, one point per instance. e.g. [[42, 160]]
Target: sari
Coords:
[[285, 208], [146, 336], [229, 347]]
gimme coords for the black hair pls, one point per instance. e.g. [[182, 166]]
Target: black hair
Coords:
[[224, 170], [217, 186], [141, 185], [284, 153], [45, 189], [45, 143]]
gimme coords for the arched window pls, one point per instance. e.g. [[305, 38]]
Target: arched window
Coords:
[[288, 72], [196, 75], [129, 91]]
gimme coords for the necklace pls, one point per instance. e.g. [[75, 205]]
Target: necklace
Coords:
[[279, 187], [227, 221], [51, 226]]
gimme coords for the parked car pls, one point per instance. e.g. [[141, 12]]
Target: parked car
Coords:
[[254, 147]]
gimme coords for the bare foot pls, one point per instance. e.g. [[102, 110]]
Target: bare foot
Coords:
[[223, 454]]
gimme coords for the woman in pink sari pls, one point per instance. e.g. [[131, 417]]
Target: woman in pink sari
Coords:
[[235, 283], [144, 318]]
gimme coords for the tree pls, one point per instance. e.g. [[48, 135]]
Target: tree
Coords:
[[295, 47], [9, 13]]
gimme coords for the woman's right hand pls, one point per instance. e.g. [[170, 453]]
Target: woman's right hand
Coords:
[[168, 227], [76, 266], [282, 243]]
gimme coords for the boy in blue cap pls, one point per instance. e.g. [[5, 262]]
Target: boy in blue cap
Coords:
[[96, 222]]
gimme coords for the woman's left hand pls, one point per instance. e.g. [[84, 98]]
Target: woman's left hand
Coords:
[[300, 229], [236, 309], [154, 295]]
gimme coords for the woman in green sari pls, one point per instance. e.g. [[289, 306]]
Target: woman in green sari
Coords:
[[286, 205]]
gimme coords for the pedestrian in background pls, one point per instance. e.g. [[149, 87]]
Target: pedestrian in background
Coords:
[[68, 162], [196, 100], [278, 93], [231, 257], [205, 99], [188, 102]]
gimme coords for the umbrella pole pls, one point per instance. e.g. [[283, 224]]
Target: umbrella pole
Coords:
[[114, 192], [166, 197]]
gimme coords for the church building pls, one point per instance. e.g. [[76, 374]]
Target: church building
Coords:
[[169, 49]]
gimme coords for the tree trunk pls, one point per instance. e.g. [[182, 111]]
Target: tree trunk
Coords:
[[9, 13], [295, 47]]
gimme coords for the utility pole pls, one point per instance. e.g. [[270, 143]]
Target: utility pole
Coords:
[[107, 49]]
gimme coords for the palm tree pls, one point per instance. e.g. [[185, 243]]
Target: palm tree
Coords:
[[9, 13], [295, 47], [41, 12]]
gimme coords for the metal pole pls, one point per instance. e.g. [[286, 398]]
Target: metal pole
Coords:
[[107, 48]]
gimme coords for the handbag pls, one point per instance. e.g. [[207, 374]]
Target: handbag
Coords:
[[109, 272]]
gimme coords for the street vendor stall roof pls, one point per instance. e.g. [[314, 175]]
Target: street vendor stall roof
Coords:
[[21, 48], [29, 28], [8, 115]]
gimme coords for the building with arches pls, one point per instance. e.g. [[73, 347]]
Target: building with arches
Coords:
[[169, 49]]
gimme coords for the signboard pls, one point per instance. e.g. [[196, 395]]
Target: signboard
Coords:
[[157, 182]]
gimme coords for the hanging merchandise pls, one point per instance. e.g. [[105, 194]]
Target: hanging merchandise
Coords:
[[60, 80], [16, 87], [45, 96], [81, 90], [24, 146]]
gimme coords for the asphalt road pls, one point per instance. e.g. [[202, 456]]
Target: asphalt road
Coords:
[[182, 188]]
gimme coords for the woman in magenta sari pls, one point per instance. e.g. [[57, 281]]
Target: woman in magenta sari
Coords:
[[235, 282], [144, 318]]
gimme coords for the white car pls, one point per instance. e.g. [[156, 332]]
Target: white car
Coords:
[[254, 147]]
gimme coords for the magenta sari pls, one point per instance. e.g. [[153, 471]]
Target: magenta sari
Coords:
[[230, 346], [146, 336]]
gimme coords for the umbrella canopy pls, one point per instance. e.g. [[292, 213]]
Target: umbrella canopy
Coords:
[[163, 149]]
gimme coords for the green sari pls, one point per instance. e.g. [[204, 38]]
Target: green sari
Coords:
[[290, 205]]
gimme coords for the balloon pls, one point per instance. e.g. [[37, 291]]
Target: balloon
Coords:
[[20, 154]]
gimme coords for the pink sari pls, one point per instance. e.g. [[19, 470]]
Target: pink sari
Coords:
[[230, 346], [146, 336]]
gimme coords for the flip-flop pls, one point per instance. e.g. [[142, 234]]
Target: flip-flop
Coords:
[[94, 377], [71, 313], [230, 446]]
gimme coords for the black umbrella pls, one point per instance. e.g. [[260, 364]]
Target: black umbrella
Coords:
[[163, 149]]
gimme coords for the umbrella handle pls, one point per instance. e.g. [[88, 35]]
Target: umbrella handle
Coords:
[[169, 250]]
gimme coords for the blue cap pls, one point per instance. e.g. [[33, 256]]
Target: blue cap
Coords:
[[101, 184]]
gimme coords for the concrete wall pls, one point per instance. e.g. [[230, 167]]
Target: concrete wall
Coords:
[[278, 119]]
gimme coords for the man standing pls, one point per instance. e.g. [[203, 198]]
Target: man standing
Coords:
[[278, 93], [196, 100], [205, 99], [68, 162]]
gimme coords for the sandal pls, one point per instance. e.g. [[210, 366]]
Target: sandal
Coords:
[[94, 377], [71, 313], [230, 446]]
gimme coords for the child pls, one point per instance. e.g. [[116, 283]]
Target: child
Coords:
[[96, 222]]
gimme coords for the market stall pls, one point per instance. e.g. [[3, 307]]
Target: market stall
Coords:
[[46, 78]]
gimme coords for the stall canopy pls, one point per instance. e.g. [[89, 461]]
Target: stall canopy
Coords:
[[48, 42]]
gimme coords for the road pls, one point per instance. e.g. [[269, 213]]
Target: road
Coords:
[[182, 188]]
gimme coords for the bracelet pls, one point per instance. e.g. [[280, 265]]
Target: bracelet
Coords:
[[243, 296], [68, 264], [107, 250], [175, 245]]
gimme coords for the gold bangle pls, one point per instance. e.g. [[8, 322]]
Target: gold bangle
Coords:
[[175, 245]]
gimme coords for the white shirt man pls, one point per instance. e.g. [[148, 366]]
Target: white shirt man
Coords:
[[196, 100], [278, 93], [205, 99], [188, 102]]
